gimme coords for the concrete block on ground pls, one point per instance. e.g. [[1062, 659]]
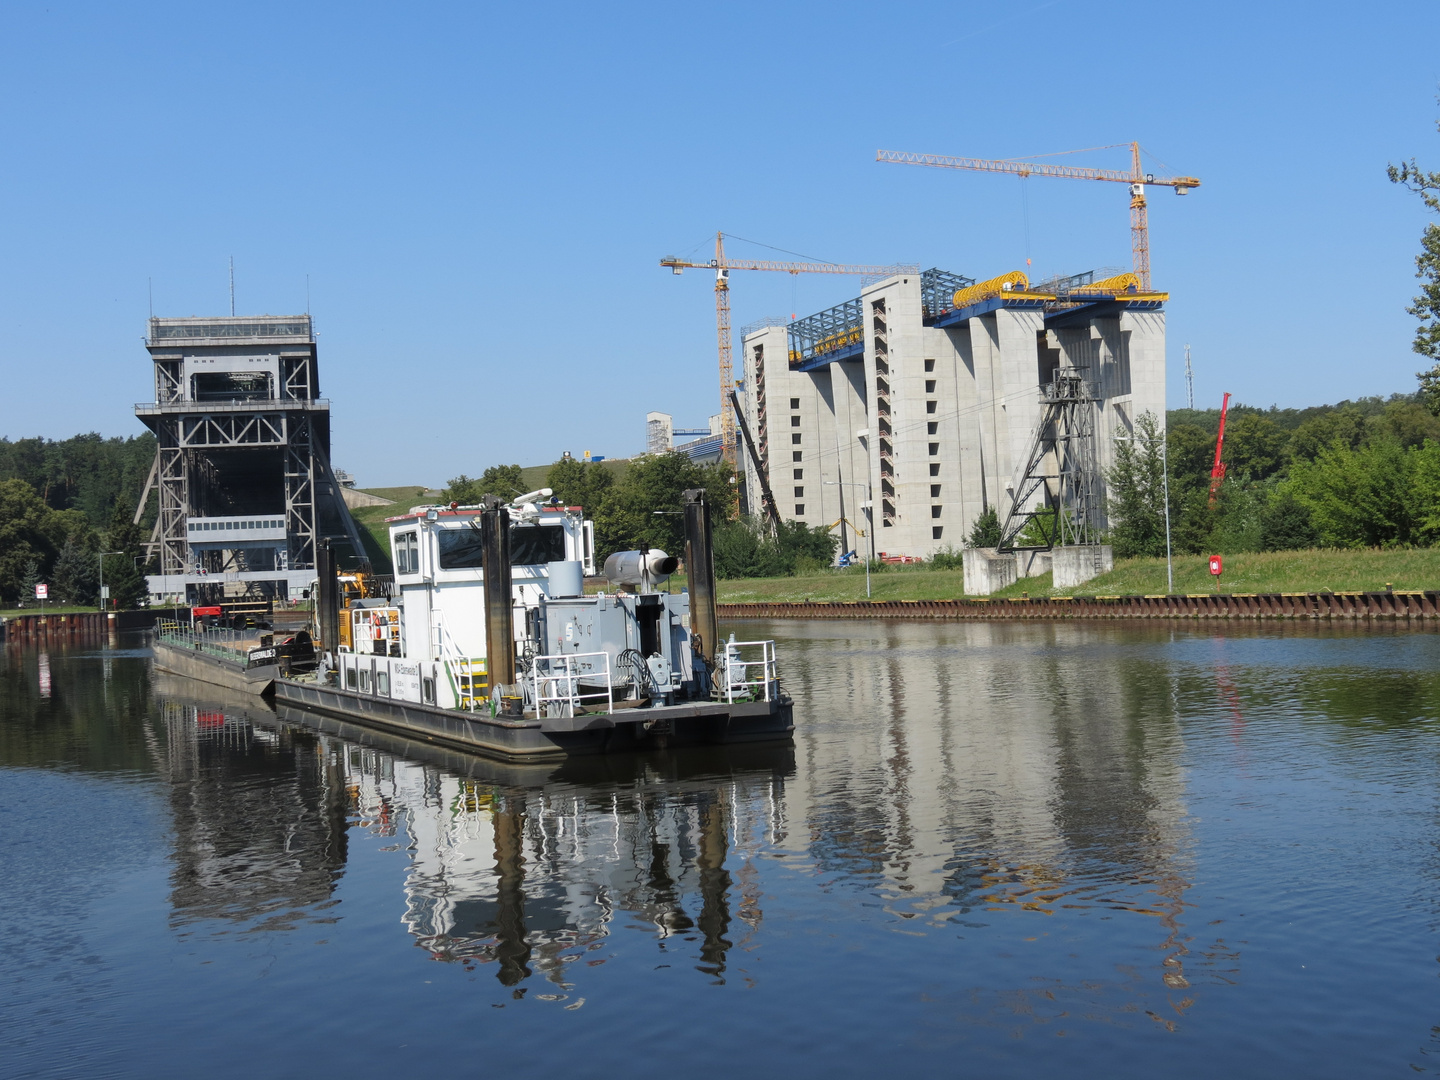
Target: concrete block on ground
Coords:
[[987, 571], [1078, 563], [1032, 563]]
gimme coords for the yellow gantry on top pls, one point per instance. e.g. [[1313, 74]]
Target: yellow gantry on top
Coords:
[[1137, 178]]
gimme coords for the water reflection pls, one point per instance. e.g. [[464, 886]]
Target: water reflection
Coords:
[[532, 868], [1002, 827], [260, 810]]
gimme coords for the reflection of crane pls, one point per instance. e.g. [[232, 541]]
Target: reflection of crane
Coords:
[[1217, 471], [722, 267], [1137, 178]]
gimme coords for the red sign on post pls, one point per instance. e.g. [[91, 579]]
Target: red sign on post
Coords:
[[42, 591], [1216, 565]]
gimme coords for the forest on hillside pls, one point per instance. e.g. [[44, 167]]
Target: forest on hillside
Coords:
[[63, 503]]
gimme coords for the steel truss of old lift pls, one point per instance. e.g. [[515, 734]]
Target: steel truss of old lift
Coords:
[[1059, 491]]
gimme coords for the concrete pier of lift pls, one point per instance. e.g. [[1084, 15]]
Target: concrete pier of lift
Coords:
[[988, 570]]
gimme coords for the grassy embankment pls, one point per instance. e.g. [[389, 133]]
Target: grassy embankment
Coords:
[[1270, 572]]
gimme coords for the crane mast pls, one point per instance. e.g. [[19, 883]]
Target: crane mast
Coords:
[[722, 267]]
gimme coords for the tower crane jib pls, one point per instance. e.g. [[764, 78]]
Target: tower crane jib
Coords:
[[722, 267], [1137, 179]]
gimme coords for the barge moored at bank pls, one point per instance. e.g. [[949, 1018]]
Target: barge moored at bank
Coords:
[[635, 669]]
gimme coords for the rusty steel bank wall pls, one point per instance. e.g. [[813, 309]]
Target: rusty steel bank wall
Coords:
[[1341, 607], [80, 624]]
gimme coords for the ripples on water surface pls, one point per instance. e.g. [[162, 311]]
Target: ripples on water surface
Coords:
[[994, 849]]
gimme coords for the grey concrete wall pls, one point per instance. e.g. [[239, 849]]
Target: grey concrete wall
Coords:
[[965, 402]]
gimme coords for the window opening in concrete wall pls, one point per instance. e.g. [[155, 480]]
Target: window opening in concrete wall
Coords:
[[794, 421], [937, 532], [934, 468], [795, 439], [934, 491], [796, 455], [934, 449], [799, 474], [935, 511], [931, 406], [932, 428], [799, 509], [799, 493], [929, 386], [794, 403], [929, 365]]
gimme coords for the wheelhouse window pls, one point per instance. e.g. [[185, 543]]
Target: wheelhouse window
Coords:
[[461, 549], [407, 553], [530, 545]]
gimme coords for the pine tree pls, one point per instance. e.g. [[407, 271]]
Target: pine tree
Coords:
[[122, 576], [75, 573], [29, 578]]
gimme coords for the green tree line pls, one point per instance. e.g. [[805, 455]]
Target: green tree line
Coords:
[[643, 508], [1358, 474], [64, 502]]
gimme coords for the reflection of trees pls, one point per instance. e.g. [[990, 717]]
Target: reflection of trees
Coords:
[[93, 715]]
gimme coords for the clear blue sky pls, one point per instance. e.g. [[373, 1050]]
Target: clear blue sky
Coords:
[[480, 193]]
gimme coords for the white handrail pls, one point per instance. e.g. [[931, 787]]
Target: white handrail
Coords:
[[737, 674], [561, 688]]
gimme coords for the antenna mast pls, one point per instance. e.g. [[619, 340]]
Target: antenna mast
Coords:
[[232, 286], [1189, 381]]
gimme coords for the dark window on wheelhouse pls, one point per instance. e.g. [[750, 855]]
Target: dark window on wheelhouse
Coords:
[[530, 545]]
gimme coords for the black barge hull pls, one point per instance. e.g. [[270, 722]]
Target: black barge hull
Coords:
[[624, 731]]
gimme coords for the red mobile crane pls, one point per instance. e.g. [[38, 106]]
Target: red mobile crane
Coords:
[[1217, 471]]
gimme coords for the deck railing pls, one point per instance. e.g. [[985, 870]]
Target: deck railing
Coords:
[[748, 671], [223, 643], [556, 683]]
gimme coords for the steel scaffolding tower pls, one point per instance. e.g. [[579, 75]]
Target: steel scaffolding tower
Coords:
[[1059, 491], [242, 468]]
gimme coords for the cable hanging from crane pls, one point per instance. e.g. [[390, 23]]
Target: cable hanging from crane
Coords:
[[1136, 178]]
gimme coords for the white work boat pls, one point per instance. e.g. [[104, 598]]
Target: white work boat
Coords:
[[635, 668]]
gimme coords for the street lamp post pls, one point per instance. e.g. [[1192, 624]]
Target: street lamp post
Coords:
[[102, 575], [869, 523], [1165, 487]]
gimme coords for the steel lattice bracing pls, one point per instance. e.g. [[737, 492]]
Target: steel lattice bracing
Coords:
[[173, 478], [300, 495], [242, 434], [1057, 496]]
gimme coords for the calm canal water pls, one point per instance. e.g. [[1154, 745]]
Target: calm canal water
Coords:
[[994, 850]]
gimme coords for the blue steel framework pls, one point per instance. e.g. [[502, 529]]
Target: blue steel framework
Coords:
[[937, 292]]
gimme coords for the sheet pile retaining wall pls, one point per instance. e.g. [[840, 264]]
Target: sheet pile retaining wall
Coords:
[[1350, 606], [81, 623]]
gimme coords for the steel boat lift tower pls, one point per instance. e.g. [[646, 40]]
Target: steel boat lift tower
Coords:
[[243, 464]]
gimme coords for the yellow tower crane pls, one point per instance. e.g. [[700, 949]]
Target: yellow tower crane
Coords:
[[1137, 178], [722, 267]]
